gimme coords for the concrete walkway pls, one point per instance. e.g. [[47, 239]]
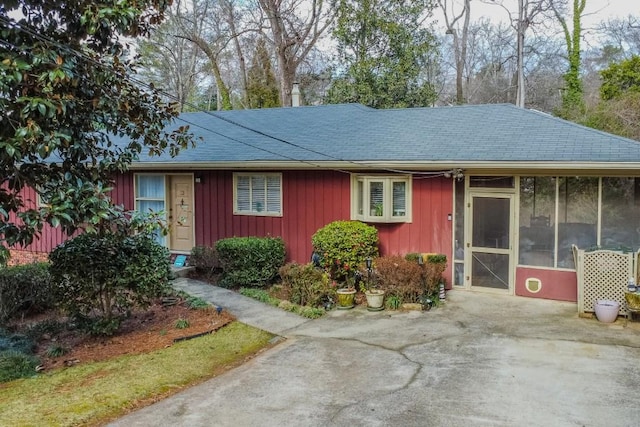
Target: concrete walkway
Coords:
[[245, 309], [480, 360]]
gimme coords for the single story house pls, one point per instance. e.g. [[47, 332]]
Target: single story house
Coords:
[[502, 191]]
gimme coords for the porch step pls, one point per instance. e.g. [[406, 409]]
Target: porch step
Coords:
[[181, 271]]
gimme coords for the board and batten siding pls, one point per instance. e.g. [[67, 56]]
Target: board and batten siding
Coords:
[[310, 200]]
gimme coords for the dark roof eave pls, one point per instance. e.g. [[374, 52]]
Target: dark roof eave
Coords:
[[510, 167]]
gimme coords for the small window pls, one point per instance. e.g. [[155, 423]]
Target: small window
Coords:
[[150, 191], [381, 198], [257, 194]]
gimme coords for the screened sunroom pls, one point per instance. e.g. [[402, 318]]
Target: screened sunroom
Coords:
[[511, 231]]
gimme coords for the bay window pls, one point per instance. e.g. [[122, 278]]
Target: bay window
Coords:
[[381, 198]]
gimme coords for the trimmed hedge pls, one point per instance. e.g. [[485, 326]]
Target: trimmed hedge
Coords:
[[250, 261], [204, 259], [24, 287], [344, 246]]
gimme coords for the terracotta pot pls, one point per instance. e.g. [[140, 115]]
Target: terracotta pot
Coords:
[[345, 298], [606, 310], [375, 299]]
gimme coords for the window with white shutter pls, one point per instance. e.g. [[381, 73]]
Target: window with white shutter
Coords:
[[381, 198], [257, 194]]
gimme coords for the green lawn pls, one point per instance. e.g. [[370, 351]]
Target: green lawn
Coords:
[[94, 393]]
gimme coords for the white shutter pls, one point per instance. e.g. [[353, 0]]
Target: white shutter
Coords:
[[258, 193], [243, 194], [274, 194]]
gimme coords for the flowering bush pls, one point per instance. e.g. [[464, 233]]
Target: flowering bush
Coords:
[[343, 246]]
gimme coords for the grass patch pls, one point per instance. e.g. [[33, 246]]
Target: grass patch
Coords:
[[263, 295], [260, 295], [68, 397]]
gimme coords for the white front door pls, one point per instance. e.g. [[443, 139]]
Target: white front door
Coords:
[[181, 230]]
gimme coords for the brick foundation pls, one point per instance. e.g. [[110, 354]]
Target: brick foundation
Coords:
[[26, 257]]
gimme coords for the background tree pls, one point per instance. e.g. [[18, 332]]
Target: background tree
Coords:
[[262, 87], [65, 87], [521, 20], [460, 35], [172, 63], [621, 78], [621, 33], [202, 22], [618, 111], [294, 27], [490, 63], [573, 96], [383, 48]]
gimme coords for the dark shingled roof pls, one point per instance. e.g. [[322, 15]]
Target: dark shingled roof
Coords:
[[500, 133]]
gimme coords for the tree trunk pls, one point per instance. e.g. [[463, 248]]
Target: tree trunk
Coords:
[[520, 56], [228, 7]]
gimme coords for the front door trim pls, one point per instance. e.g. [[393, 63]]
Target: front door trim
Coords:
[[471, 195]]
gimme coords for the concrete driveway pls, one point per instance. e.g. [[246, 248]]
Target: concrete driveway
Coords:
[[481, 359]]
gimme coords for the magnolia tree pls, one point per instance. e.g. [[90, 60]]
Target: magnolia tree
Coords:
[[66, 88]]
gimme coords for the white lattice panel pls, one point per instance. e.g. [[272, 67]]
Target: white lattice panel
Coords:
[[602, 275]]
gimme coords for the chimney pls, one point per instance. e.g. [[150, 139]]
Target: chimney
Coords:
[[295, 95]]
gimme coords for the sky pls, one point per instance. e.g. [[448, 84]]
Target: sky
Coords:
[[596, 10]]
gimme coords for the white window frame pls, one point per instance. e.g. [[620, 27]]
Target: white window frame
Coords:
[[387, 204], [253, 211], [163, 240]]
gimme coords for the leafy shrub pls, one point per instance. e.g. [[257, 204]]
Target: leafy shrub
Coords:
[[47, 326], [14, 365], [105, 275], [5, 255], [24, 287], [343, 246], [311, 312], [204, 259], [400, 278], [197, 303], [393, 302], [16, 342], [182, 323], [250, 261], [260, 295], [433, 266], [307, 284], [56, 350]]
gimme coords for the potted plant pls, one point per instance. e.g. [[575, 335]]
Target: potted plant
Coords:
[[346, 297], [375, 297]]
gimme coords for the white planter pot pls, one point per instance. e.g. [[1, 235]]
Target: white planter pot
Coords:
[[375, 299], [606, 310]]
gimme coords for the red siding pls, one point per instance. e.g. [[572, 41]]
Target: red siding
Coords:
[[48, 239], [122, 193], [556, 284], [311, 199]]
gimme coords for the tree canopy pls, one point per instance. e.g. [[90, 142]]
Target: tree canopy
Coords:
[[621, 78], [66, 89], [384, 48]]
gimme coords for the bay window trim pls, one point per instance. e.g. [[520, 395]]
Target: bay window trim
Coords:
[[361, 208]]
